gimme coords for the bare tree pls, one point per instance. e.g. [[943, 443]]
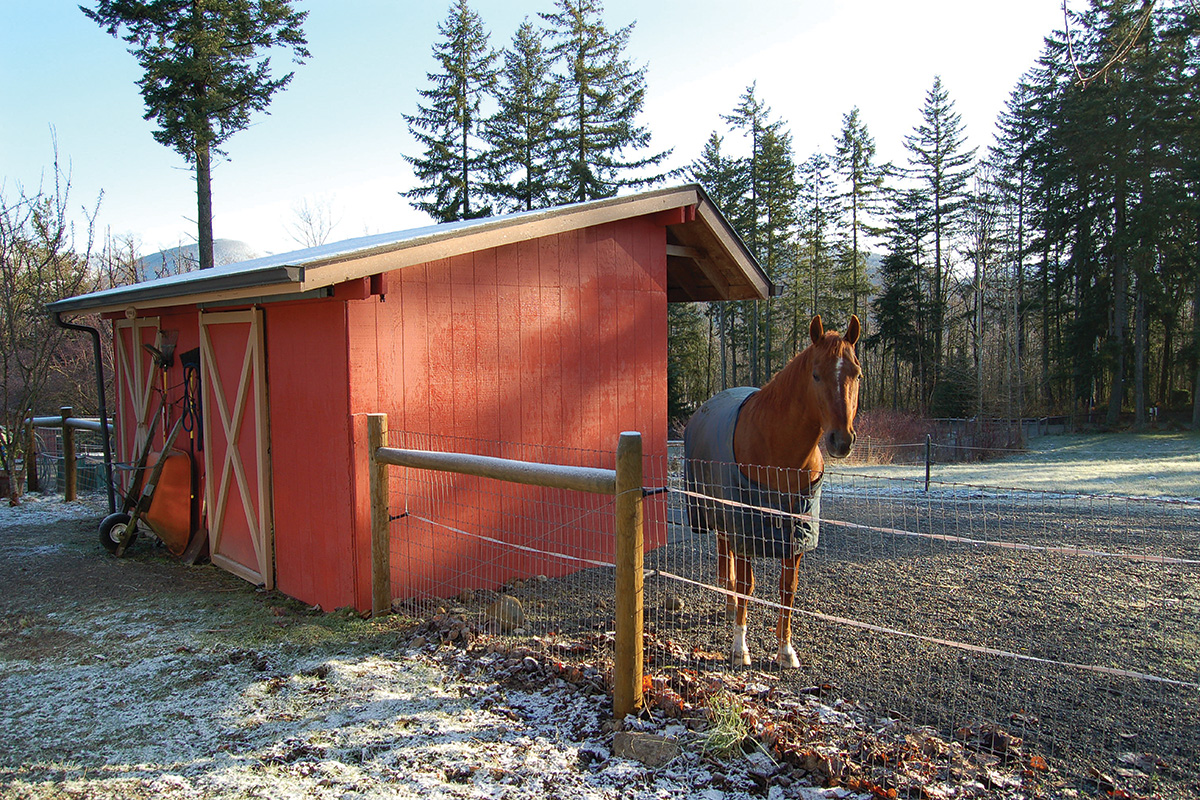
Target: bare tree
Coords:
[[313, 221], [39, 264], [118, 263]]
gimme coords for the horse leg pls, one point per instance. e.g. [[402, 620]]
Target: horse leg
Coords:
[[725, 574], [789, 578], [744, 580]]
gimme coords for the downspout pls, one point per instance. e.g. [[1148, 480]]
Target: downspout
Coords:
[[104, 438]]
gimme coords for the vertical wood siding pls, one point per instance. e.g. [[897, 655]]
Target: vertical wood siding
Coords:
[[559, 341]]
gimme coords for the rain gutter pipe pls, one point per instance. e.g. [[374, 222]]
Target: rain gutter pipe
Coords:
[[105, 427]]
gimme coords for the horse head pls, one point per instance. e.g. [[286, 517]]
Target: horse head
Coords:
[[835, 376]]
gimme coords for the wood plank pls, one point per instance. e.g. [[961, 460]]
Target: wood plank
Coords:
[[415, 321], [509, 361], [532, 372], [683, 251], [441, 357], [465, 366], [591, 341], [554, 376]]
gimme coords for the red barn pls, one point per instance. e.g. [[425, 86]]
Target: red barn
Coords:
[[545, 327]]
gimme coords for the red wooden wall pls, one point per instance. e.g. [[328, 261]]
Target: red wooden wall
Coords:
[[559, 341]]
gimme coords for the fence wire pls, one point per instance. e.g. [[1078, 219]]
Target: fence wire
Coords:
[[515, 559], [91, 475], [1066, 623]]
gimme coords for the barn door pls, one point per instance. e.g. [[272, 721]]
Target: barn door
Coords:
[[136, 372], [237, 462]]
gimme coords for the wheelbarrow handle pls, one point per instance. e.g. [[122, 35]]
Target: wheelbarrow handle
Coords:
[[142, 504]]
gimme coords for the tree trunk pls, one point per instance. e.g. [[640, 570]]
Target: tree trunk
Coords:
[[204, 206], [1120, 282], [1162, 397], [1139, 354], [1196, 351]]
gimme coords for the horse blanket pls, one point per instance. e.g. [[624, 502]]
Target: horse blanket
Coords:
[[710, 470]]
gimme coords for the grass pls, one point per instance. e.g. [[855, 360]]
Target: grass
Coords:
[[727, 729]]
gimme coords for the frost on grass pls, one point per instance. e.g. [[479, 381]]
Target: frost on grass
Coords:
[[47, 509]]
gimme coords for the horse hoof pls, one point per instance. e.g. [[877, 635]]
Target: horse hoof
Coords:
[[740, 659], [787, 658]]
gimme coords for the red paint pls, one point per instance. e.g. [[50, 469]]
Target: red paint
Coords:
[[309, 387], [557, 343]]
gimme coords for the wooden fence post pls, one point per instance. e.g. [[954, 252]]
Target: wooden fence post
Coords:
[[70, 476], [381, 571], [627, 667], [31, 454]]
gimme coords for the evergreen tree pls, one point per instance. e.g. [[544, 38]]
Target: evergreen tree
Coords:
[[777, 201], [768, 212], [452, 169], [911, 223], [895, 311], [204, 73], [862, 181], [1013, 181], [525, 145], [602, 95], [942, 166], [818, 211], [725, 179]]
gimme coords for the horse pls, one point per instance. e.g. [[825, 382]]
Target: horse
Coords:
[[760, 447]]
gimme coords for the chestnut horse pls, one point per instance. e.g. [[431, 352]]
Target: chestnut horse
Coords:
[[748, 447]]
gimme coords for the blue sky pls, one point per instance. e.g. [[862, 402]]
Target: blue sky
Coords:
[[337, 133]]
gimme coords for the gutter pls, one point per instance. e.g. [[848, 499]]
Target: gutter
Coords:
[[106, 428]]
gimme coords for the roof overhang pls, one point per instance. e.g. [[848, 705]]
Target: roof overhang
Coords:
[[706, 259]]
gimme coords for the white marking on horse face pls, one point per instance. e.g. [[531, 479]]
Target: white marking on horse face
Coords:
[[837, 375]]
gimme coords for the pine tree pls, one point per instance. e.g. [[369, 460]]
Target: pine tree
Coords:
[[910, 227], [818, 212], [943, 167], [525, 145], [895, 311], [777, 201], [1013, 179], [863, 189], [204, 73], [767, 209], [452, 168], [726, 180], [602, 95]]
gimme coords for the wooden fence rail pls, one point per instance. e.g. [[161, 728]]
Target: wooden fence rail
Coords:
[[68, 424], [624, 484]]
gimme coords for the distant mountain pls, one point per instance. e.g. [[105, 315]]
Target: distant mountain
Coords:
[[186, 258]]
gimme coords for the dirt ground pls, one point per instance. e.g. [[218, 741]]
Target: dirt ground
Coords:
[[143, 678], [139, 677]]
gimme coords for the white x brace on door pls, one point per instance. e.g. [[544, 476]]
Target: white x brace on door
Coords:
[[237, 459]]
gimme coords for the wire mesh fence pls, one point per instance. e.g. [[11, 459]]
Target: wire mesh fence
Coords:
[[89, 460], [1034, 625]]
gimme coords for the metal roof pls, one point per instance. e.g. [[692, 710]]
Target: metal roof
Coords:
[[706, 259]]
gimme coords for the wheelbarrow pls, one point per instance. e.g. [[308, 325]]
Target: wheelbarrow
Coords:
[[169, 482]]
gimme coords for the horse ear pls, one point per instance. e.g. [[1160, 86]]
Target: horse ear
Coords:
[[853, 329], [816, 329]]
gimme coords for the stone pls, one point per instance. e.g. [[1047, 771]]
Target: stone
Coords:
[[674, 603], [466, 597], [506, 613], [648, 748]]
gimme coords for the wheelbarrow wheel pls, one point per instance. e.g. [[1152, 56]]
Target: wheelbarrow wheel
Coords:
[[111, 528]]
